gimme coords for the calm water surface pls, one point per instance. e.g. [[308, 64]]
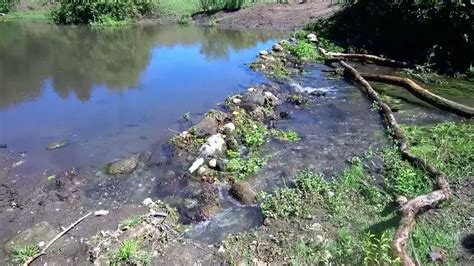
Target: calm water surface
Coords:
[[111, 92]]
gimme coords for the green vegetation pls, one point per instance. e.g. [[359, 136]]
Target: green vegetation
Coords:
[[185, 19], [356, 208], [187, 116], [254, 134], [130, 222], [438, 33], [244, 167], [289, 135], [6, 6], [21, 255], [27, 15], [303, 50], [130, 254], [109, 13]]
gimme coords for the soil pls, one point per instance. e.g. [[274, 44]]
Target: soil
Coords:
[[284, 17]]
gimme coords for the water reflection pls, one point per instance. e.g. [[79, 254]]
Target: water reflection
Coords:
[[77, 59]]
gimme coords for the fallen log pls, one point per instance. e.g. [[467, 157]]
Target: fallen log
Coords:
[[366, 57], [422, 93], [408, 208]]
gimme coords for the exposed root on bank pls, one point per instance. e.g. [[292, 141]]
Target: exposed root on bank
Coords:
[[408, 208], [422, 93]]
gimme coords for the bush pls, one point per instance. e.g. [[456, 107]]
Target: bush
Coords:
[[6, 5], [97, 12], [434, 32], [216, 5]]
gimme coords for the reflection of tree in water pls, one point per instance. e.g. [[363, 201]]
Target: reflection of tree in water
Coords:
[[76, 59]]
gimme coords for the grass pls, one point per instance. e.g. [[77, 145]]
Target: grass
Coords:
[[254, 134], [21, 255], [130, 222], [356, 210], [303, 50], [27, 15], [244, 167], [130, 253]]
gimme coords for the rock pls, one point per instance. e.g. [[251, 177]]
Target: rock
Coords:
[[270, 99], [401, 199], [438, 255], [2, 14], [36, 234], [190, 203], [212, 163], [203, 171], [215, 144], [252, 100], [3, 146], [277, 48], [251, 89], [292, 39], [57, 145], [312, 37], [196, 165], [147, 202], [229, 128], [101, 213], [284, 115], [232, 143], [125, 166], [283, 42], [318, 93], [263, 52], [221, 249], [236, 101], [207, 126], [244, 192]]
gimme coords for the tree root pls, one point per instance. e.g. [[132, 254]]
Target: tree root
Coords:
[[408, 208], [422, 93]]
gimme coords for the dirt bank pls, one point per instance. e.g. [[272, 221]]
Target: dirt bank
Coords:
[[284, 17]]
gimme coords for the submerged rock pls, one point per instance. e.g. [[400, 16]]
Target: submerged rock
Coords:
[[57, 145], [215, 144], [125, 166], [244, 192], [3, 146]]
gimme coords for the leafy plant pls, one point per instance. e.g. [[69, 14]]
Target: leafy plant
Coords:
[[377, 250], [130, 222], [289, 135], [246, 166], [303, 50], [286, 202], [254, 134], [185, 19], [21, 255]]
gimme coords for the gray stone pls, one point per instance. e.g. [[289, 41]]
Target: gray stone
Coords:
[[214, 145], [147, 202], [125, 166], [263, 52], [212, 163], [101, 213], [277, 48], [33, 236], [232, 143], [252, 100], [244, 192], [207, 126], [312, 37]]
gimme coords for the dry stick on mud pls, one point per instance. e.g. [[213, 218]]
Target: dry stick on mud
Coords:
[[422, 93], [408, 208], [43, 251]]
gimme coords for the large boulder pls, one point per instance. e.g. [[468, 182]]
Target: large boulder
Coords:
[[124, 166], [244, 192], [208, 126], [251, 100]]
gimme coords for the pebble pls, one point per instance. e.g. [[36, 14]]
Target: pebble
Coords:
[[101, 212], [213, 163], [221, 249], [147, 202], [41, 244]]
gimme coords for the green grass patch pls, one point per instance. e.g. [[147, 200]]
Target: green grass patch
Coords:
[[244, 167], [130, 222], [21, 255], [303, 50], [289, 135], [27, 15], [130, 253]]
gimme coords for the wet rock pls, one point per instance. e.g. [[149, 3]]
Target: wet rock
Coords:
[[292, 39], [207, 126], [214, 145], [277, 48], [196, 165], [318, 93], [232, 143], [57, 145], [312, 37], [125, 166], [244, 192], [203, 171], [284, 115], [283, 42], [101, 213], [33, 236], [3, 146], [263, 52], [252, 100], [236, 101], [270, 99]]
